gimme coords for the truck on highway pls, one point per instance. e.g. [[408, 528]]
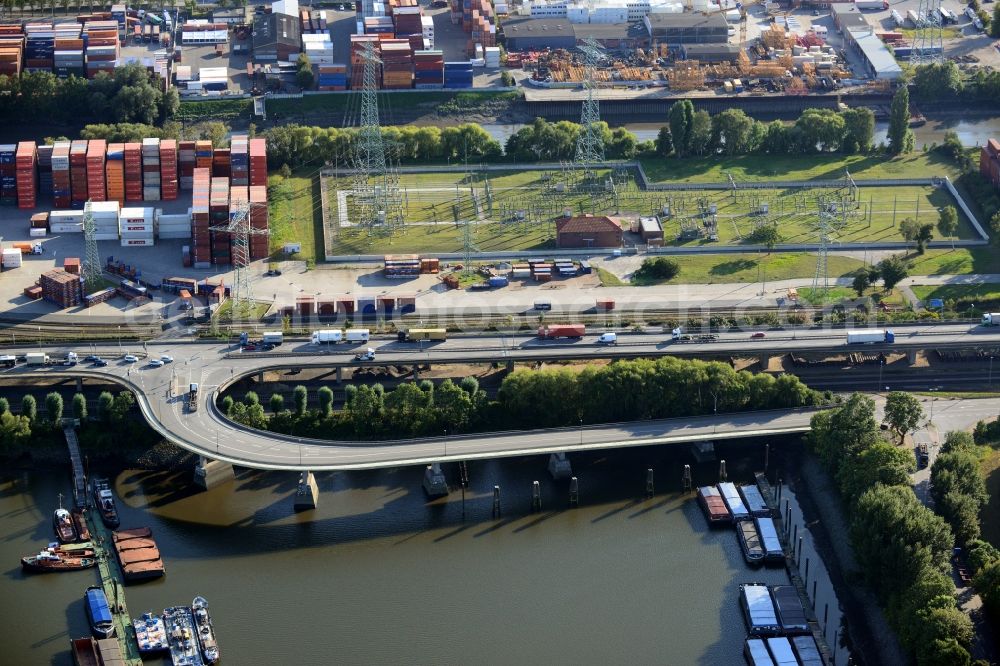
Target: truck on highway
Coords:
[[870, 336], [192, 397], [357, 335], [8, 361], [327, 337], [418, 334], [561, 331], [36, 358], [991, 319], [273, 337], [877, 5]]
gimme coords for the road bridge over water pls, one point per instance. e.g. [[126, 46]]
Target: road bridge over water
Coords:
[[161, 393]]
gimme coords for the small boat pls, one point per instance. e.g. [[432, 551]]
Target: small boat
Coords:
[[206, 631], [150, 633], [79, 549], [749, 540], [105, 501], [102, 622], [711, 503], [48, 561], [62, 523], [733, 501], [80, 522], [181, 638]]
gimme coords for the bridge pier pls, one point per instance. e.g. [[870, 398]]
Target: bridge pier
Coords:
[[559, 466], [911, 357], [210, 473], [307, 494], [416, 373], [765, 361], [340, 375], [435, 484], [79, 384]]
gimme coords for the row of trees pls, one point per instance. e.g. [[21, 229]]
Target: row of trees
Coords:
[[622, 391], [17, 430], [298, 145], [903, 547], [689, 133], [129, 95], [733, 132]]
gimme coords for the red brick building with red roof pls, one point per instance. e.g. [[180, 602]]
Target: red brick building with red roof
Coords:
[[583, 231]]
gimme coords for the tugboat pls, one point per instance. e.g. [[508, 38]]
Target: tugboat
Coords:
[[105, 500], [80, 522], [102, 623], [181, 638], [150, 633], [206, 632], [62, 522], [48, 561]]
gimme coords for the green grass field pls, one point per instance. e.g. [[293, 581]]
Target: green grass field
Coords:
[[796, 167], [957, 262], [985, 297], [295, 215], [730, 268], [435, 203]]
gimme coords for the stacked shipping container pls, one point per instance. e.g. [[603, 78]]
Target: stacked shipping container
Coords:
[[258, 162], [78, 171], [150, 169], [239, 160], [61, 185], [26, 163], [428, 69], [258, 220], [397, 63], [218, 216], [201, 242], [115, 171], [133, 172], [97, 150], [168, 169], [11, 50], [185, 164], [8, 174]]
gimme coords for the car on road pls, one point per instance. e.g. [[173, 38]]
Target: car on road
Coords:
[[92, 358], [758, 334], [272, 273], [68, 363], [100, 363], [156, 363], [608, 339], [130, 358], [368, 355], [267, 346], [166, 358]]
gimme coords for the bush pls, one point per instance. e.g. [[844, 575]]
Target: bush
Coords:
[[658, 268]]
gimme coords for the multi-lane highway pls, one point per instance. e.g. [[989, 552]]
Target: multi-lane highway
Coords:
[[161, 392]]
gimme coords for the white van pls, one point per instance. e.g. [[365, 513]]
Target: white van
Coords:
[[357, 335], [608, 339]]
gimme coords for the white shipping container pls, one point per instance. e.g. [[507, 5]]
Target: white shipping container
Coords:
[[11, 258], [169, 235], [137, 228], [106, 237], [137, 242], [66, 228], [36, 233], [102, 209], [70, 216]]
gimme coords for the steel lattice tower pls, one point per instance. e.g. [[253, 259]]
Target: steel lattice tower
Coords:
[[928, 42], [376, 185], [590, 145], [92, 269], [241, 292], [830, 218]]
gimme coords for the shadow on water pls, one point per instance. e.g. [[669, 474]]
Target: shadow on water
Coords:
[[253, 514]]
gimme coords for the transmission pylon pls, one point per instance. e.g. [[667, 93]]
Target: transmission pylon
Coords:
[[239, 230], [929, 38], [831, 217], [92, 269], [377, 201], [590, 144]]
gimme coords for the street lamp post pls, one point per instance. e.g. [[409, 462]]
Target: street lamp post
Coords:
[[581, 432], [991, 371], [881, 362]]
